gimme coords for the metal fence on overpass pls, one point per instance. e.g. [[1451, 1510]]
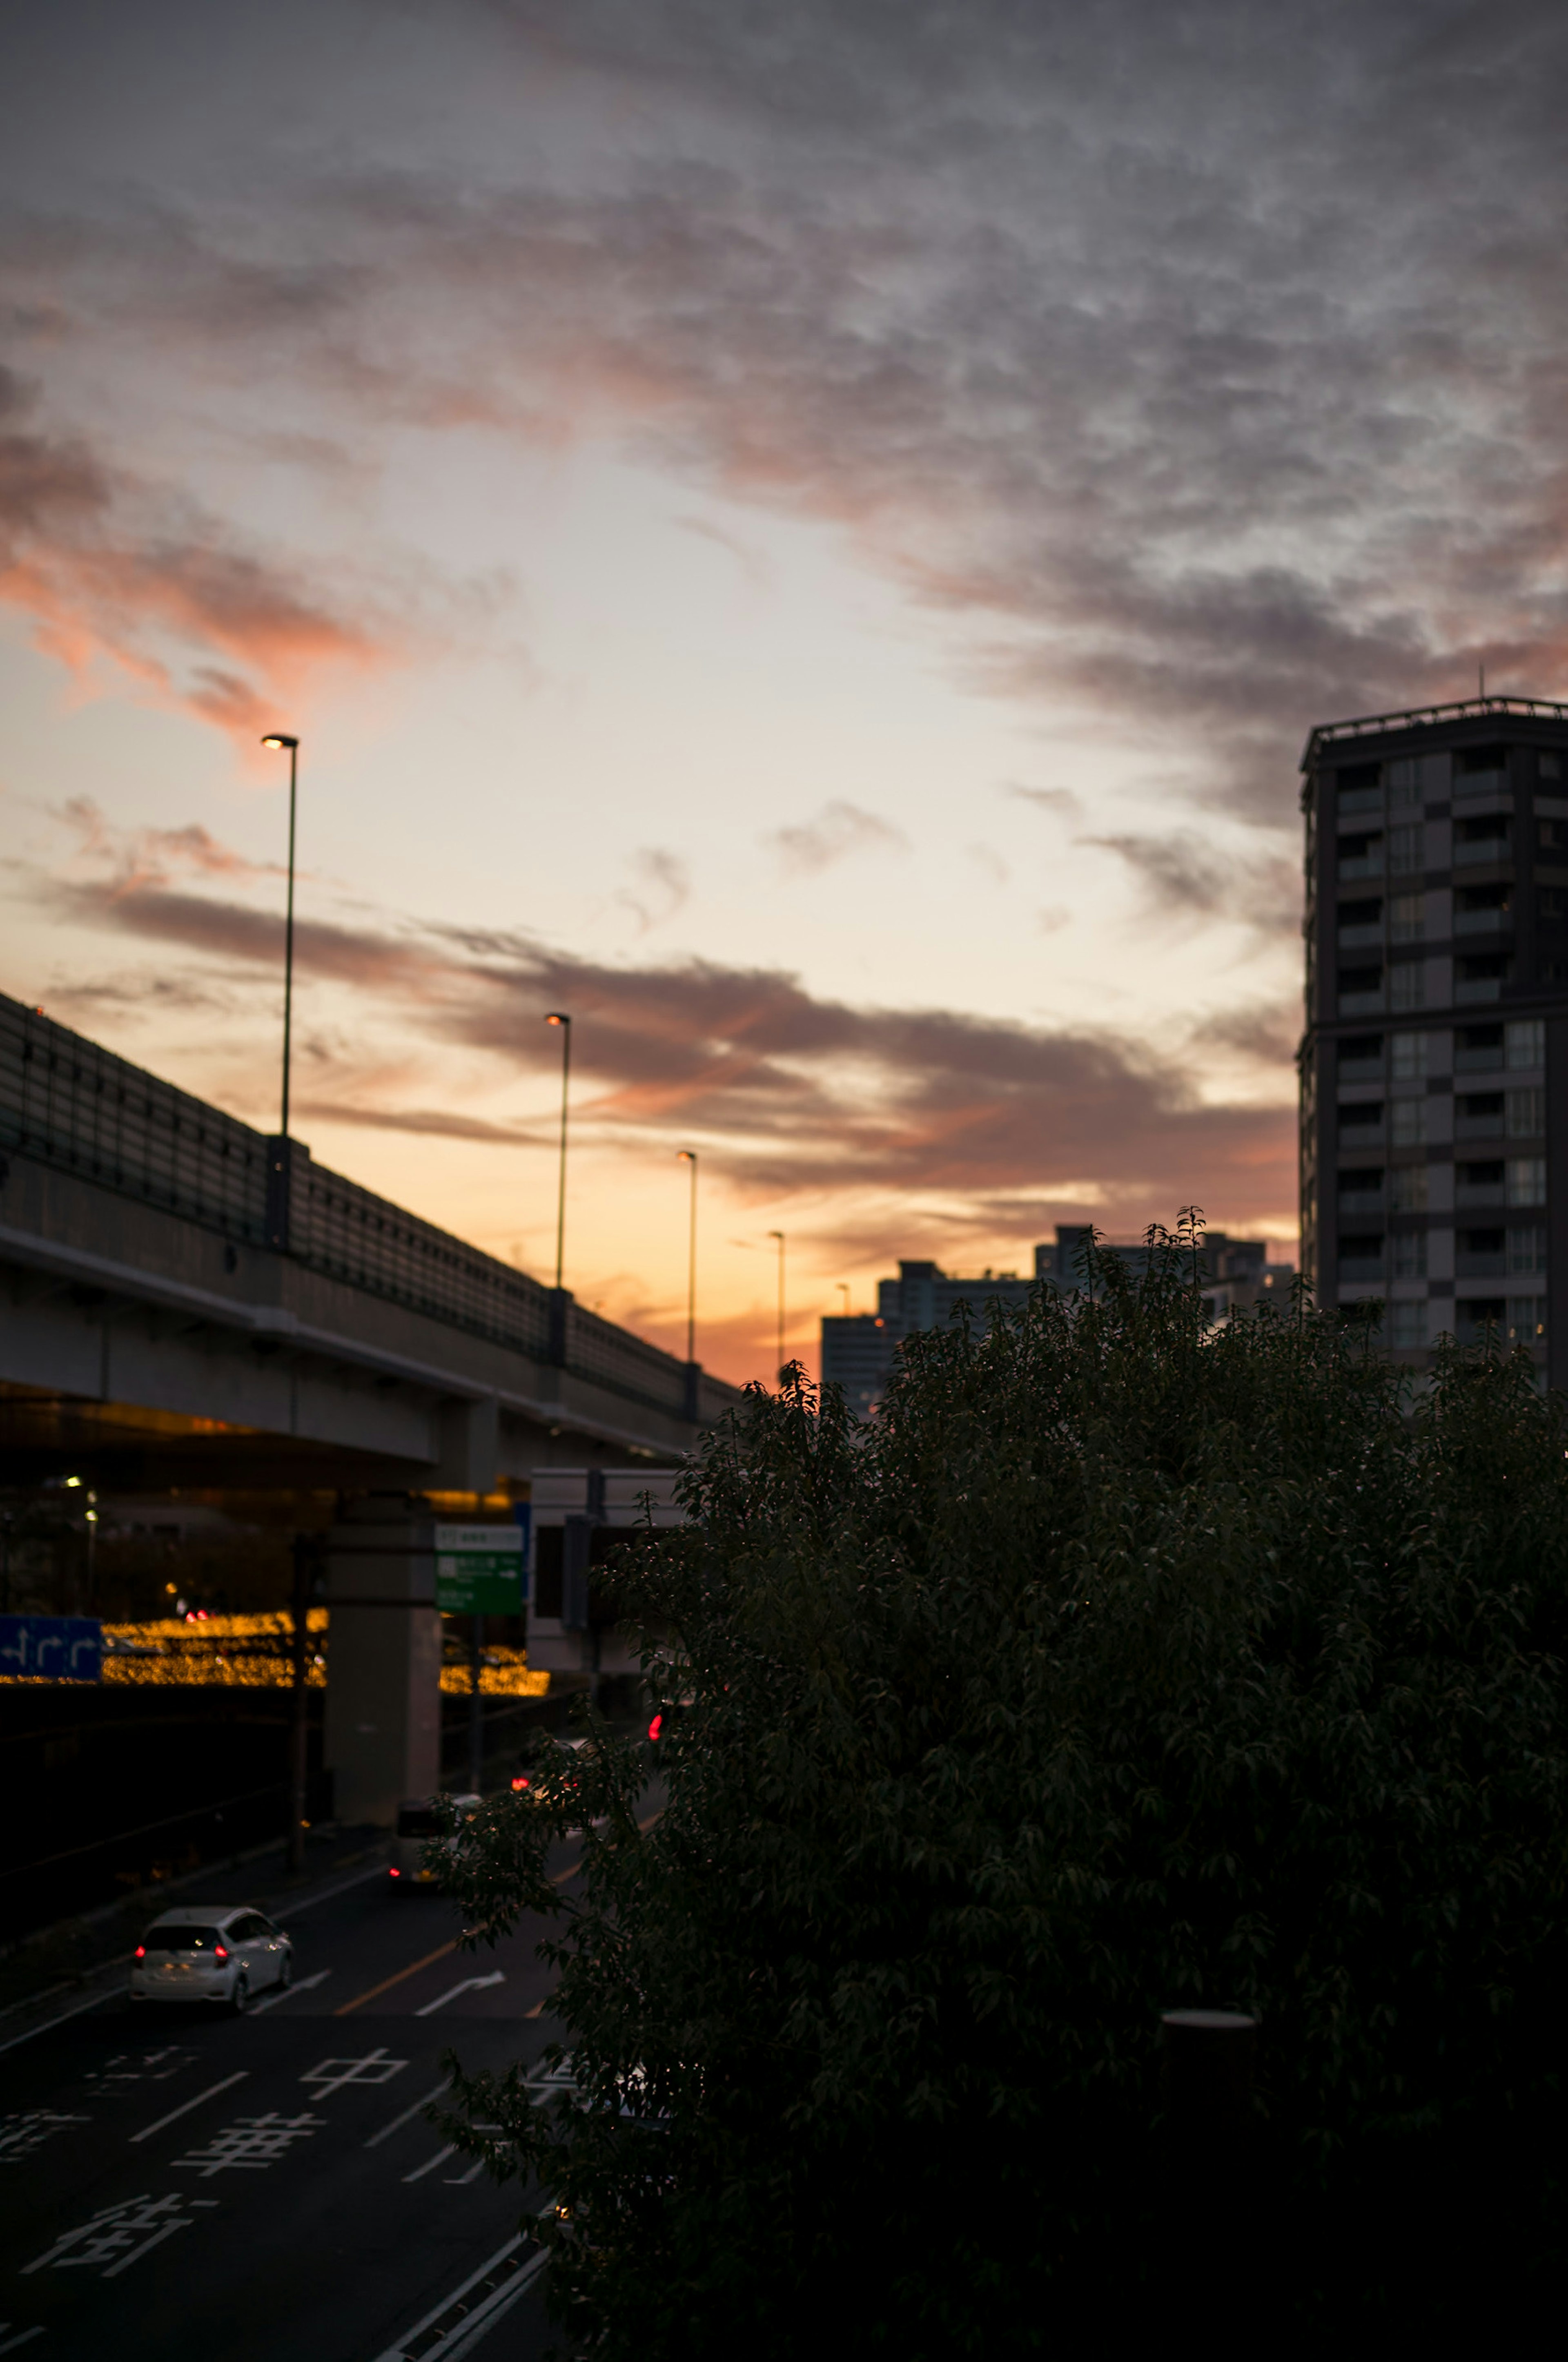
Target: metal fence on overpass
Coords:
[[68, 1102]]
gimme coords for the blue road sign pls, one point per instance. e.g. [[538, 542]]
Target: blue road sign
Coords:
[[52, 1648]]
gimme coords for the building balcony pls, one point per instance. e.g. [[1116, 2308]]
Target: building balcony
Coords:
[[1361, 1070], [1483, 923], [1361, 1004], [1361, 865], [1471, 852], [1468, 1196], [1479, 1267], [1365, 938], [1361, 1201]]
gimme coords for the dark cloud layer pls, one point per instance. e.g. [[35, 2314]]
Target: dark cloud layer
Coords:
[[808, 1093]]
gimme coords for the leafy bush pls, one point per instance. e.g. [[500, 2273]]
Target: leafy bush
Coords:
[[1117, 1665]]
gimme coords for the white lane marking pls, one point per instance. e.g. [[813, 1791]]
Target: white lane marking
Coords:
[[175, 2113], [330, 2075], [468, 2333], [12, 2342], [456, 2180], [281, 1993], [470, 1984], [407, 2117], [430, 2164], [397, 2353], [96, 2002], [287, 1910]]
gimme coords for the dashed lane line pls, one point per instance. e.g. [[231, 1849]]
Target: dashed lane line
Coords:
[[407, 2117], [431, 2163], [200, 2101], [281, 1993]]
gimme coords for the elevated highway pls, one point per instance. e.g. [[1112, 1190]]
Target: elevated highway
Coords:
[[186, 1301]]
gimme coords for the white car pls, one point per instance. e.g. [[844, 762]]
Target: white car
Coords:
[[218, 1952]]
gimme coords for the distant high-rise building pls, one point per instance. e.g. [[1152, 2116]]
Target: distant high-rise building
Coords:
[[858, 1349], [1434, 1066]]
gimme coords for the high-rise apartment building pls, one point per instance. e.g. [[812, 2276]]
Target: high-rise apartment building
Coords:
[[1434, 1066]]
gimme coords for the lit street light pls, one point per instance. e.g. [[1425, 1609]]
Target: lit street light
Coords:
[[688, 1157], [559, 1017], [780, 1236], [278, 738]]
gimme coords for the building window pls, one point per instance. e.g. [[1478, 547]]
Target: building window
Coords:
[[1481, 975], [1411, 1057], [1404, 784], [1480, 1183], [1553, 835], [1477, 1047], [1410, 1126], [1361, 1258], [1360, 1058], [1480, 1254], [1527, 1113], [1408, 1190], [1551, 909], [1527, 1247], [1361, 1120], [1360, 855], [1526, 1180], [1360, 990], [1359, 788], [1549, 763], [1478, 1115], [1480, 771], [1482, 910], [1407, 849], [1527, 1319], [1475, 1317], [1410, 1254], [1361, 1191], [1407, 918], [1360, 923], [1484, 839], [1527, 1043], [1409, 1326], [1408, 979]]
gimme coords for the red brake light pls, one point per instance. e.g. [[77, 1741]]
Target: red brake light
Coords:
[[220, 1952], [394, 1873], [656, 1725], [518, 1784], [141, 1951]]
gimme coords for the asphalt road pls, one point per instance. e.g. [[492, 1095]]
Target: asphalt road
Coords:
[[269, 2186]]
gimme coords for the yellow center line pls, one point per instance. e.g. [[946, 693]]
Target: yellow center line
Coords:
[[557, 1877], [388, 1982]]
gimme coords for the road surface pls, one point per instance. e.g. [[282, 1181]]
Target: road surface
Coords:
[[269, 2186]]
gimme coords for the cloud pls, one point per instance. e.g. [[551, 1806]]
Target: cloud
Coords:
[[1186, 876], [1051, 800], [838, 831], [104, 566], [662, 884], [806, 1094]]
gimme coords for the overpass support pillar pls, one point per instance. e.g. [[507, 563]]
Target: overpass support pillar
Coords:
[[383, 1701]]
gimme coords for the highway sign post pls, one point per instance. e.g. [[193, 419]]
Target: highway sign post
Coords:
[[479, 1569], [52, 1648]]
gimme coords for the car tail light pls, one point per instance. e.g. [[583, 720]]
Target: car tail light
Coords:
[[517, 1784], [656, 1725], [141, 1951], [394, 1873], [220, 1951]]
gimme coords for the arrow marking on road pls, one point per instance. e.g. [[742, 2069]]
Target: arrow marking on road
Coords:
[[470, 1984]]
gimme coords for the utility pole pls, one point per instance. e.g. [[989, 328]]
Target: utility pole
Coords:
[[476, 1707], [300, 1703], [277, 738], [780, 1236], [688, 1157]]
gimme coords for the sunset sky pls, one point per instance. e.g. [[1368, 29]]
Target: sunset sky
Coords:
[[810, 536]]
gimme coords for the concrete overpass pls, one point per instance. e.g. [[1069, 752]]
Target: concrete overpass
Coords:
[[185, 1302]]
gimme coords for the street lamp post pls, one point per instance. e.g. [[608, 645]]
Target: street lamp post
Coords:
[[780, 1236], [279, 738], [559, 1017], [688, 1157]]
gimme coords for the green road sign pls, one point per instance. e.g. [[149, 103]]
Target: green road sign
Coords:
[[479, 1569]]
